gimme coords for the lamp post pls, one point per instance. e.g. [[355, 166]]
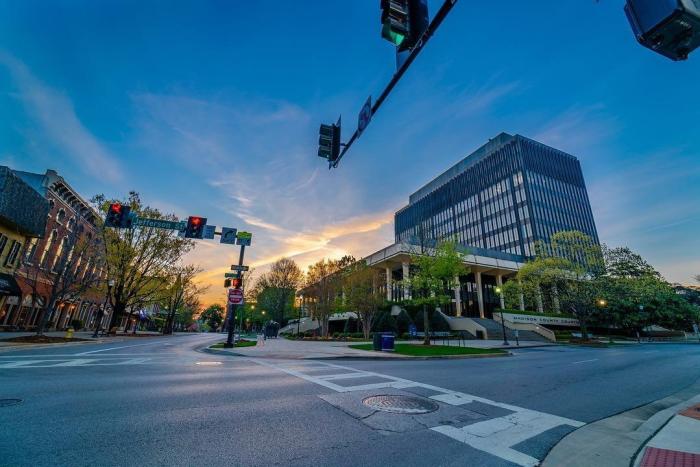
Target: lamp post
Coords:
[[499, 291], [602, 303], [98, 325]]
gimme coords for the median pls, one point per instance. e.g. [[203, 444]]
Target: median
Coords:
[[420, 350], [239, 343]]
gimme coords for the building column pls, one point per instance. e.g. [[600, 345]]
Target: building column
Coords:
[[521, 297], [499, 283], [479, 294], [406, 274], [388, 283], [538, 297], [555, 298], [458, 297]]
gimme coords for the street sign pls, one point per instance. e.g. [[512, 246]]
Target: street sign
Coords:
[[412, 330], [228, 235], [235, 267], [235, 296], [209, 231], [364, 117], [159, 223], [244, 238], [232, 274]]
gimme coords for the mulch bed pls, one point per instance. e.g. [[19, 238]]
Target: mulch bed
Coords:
[[42, 339]]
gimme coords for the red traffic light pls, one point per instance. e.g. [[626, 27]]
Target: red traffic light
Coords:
[[236, 283], [116, 208], [196, 220]]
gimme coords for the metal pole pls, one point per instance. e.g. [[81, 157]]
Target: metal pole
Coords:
[[231, 323], [429, 31]]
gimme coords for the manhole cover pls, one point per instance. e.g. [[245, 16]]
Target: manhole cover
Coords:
[[8, 402], [400, 404]]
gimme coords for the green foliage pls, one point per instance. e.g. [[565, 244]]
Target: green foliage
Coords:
[[213, 316], [77, 324], [533, 313], [417, 350]]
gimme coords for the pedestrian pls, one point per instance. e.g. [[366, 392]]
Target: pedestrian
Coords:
[[261, 340]]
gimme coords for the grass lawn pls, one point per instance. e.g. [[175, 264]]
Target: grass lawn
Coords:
[[240, 343], [420, 350]]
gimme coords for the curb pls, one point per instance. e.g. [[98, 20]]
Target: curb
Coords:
[[358, 357], [618, 440]]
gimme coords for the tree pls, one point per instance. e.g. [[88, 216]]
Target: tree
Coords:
[[437, 271], [213, 316], [621, 262], [181, 292], [75, 267], [323, 288], [275, 290], [361, 293], [139, 259]]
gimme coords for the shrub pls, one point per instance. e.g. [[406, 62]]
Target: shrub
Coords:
[[77, 324]]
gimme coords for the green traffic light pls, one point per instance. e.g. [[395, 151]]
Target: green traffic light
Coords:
[[391, 35]]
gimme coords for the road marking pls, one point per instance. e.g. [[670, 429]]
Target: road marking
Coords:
[[495, 436], [208, 363], [585, 361], [117, 348], [76, 362], [19, 364]]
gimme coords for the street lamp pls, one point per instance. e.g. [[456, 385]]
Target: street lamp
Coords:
[[499, 291], [100, 312]]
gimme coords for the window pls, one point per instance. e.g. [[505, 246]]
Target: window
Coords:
[[3, 242], [47, 246], [52, 203], [13, 254], [61, 216], [31, 249]]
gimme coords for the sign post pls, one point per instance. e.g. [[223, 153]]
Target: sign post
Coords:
[[243, 239]]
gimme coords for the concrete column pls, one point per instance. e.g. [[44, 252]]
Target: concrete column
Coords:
[[538, 297], [521, 296], [555, 298], [458, 297], [406, 274], [388, 283], [499, 283], [479, 294]]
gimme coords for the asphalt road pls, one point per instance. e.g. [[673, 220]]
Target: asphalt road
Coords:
[[156, 401]]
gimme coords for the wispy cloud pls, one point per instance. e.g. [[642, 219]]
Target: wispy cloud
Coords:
[[55, 114]]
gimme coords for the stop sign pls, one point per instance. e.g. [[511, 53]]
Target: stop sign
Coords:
[[235, 296]]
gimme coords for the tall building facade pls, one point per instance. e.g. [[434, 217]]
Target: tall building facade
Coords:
[[504, 197]]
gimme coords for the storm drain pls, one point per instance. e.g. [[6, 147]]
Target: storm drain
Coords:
[[9, 402], [400, 404]]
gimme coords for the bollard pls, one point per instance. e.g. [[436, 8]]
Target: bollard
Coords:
[[69, 333]]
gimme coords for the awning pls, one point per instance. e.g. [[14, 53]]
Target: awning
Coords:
[[9, 286]]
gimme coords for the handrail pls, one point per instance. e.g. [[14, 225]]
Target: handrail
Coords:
[[541, 330]]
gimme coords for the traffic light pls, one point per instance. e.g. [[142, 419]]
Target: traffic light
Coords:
[[395, 21], [329, 142], [404, 21], [227, 283], [195, 227], [236, 283], [118, 216], [669, 27]]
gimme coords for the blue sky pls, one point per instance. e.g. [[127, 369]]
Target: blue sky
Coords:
[[212, 108]]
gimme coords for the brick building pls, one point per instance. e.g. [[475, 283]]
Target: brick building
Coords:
[[69, 217]]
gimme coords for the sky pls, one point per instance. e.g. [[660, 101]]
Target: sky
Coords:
[[212, 108]]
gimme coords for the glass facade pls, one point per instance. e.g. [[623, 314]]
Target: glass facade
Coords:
[[504, 197]]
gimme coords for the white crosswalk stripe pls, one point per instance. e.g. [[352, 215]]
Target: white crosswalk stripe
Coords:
[[495, 436], [75, 362]]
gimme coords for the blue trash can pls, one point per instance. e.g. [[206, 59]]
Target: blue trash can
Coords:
[[387, 342]]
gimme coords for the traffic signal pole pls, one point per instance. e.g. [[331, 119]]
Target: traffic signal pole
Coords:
[[427, 34], [231, 322]]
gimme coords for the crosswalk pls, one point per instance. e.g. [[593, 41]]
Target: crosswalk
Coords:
[[26, 363], [496, 436]]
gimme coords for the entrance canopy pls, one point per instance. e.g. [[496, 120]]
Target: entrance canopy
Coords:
[[9, 286]]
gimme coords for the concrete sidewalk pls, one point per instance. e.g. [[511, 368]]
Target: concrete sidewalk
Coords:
[[622, 439], [281, 348], [676, 444], [87, 335]]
